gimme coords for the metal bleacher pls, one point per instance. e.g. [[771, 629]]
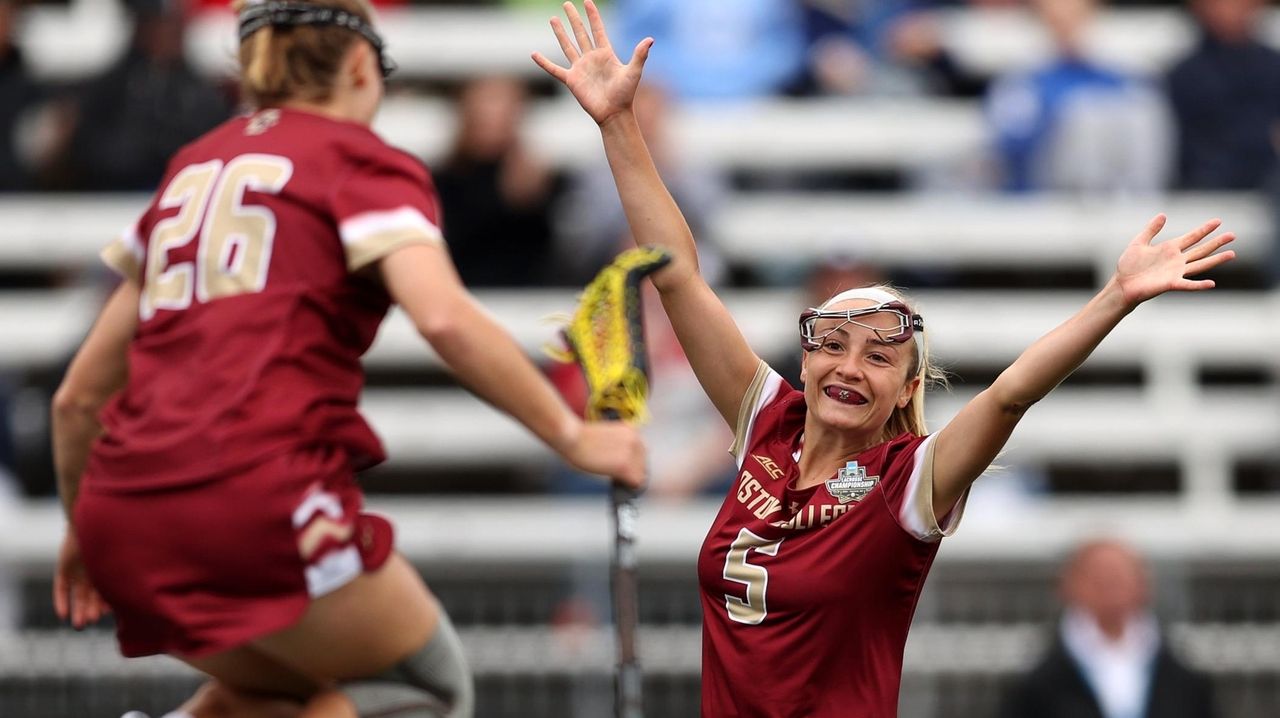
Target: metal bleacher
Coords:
[[1198, 395]]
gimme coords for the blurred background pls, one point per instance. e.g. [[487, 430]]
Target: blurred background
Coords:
[[991, 157]]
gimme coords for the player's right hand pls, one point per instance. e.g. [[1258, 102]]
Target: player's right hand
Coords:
[[74, 597], [609, 448]]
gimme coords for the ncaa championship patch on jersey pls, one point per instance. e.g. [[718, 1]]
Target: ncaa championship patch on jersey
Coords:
[[851, 483]]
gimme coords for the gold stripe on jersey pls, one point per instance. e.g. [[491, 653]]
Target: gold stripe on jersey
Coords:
[[371, 248], [310, 540], [746, 410], [922, 502], [121, 259]]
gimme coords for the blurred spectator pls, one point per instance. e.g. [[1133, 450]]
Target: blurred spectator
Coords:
[[131, 119], [496, 194], [717, 49], [18, 93], [1074, 124], [882, 46], [1226, 97], [592, 226], [1108, 659]]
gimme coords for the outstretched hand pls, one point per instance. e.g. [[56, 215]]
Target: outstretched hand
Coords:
[[1147, 270], [600, 82]]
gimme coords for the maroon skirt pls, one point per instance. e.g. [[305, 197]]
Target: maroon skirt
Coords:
[[203, 568]]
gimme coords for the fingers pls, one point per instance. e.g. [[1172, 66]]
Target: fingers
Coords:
[[550, 67], [598, 33], [1201, 266], [570, 52], [1193, 285], [1208, 248], [1190, 238], [1152, 229], [579, 30], [60, 595], [641, 54]]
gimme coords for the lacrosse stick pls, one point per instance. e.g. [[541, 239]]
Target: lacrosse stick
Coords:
[[606, 338]]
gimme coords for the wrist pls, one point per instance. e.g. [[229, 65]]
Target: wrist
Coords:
[[567, 435], [618, 121]]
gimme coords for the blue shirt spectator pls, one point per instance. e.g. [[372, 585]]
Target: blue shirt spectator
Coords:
[[718, 49]]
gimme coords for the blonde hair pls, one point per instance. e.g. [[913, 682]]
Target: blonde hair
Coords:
[[910, 419], [282, 63]]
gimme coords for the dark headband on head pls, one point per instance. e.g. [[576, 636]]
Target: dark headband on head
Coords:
[[289, 13]]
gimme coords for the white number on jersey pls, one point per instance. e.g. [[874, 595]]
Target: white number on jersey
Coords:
[[756, 578], [235, 239]]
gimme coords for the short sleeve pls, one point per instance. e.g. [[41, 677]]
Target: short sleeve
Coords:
[[766, 386], [385, 202], [124, 254], [910, 492]]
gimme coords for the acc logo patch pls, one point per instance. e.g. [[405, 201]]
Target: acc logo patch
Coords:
[[851, 483], [769, 466]]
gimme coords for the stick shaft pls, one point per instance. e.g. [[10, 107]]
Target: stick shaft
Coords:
[[626, 615]]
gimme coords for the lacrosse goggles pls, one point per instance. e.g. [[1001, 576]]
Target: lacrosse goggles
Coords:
[[904, 327], [289, 13]]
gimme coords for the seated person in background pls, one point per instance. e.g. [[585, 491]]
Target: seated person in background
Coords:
[[129, 121], [18, 92], [719, 49], [591, 226], [882, 47], [1226, 99], [1108, 658], [495, 193], [1076, 125]]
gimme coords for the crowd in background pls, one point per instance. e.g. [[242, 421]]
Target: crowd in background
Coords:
[[1073, 124]]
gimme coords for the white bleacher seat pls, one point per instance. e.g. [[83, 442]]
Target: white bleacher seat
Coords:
[[767, 228]]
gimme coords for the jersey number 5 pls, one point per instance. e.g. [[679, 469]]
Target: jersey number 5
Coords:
[[235, 239], [736, 568]]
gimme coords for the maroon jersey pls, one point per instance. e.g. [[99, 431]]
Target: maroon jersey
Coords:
[[254, 310], [807, 594]]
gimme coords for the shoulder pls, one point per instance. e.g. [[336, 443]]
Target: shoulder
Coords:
[[363, 150]]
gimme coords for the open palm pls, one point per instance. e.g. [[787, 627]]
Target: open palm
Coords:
[[1147, 270], [600, 82]]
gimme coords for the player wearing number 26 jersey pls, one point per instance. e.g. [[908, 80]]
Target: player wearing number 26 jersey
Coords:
[[206, 435], [255, 309], [813, 587], [250, 344]]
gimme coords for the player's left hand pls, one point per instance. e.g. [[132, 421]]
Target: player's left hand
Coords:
[[601, 83], [74, 597], [1147, 270]]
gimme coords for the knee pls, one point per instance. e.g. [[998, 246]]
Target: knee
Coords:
[[433, 682]]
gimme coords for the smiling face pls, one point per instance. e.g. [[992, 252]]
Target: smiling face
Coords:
[[855, 380]]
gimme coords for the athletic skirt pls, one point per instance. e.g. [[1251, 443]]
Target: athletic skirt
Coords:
[[202, 568]]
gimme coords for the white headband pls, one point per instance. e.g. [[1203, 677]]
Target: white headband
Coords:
[[879, 296]]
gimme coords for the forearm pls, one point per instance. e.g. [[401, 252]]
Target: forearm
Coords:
[[486, 359], [75, 427], [653, 215], [1053, 357]]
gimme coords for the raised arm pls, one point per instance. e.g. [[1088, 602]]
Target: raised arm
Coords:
[[484, 357], [717, 351], [970, 442]]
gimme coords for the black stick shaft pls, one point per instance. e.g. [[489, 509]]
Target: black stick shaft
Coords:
[[628, 682]]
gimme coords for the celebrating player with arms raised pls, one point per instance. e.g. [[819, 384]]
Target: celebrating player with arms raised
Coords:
[[811, 571]]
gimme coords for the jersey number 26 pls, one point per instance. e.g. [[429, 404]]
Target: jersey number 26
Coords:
[[235, 239]]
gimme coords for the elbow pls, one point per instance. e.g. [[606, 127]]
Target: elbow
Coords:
[[70, 405], [440, 327]]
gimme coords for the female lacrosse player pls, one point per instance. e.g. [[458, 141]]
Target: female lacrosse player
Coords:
[[810, 572], [218, 515]]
